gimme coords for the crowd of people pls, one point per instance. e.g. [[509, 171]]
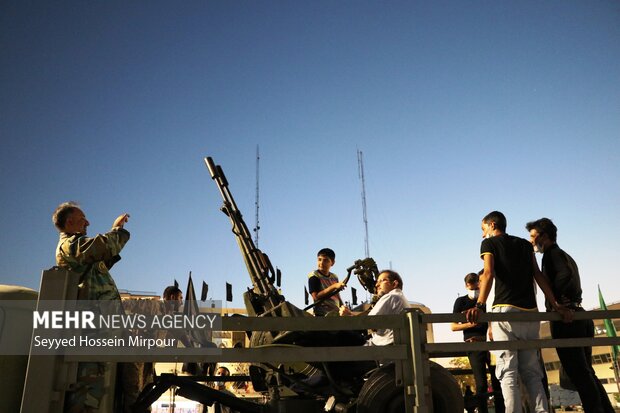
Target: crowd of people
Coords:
[[509, 265]]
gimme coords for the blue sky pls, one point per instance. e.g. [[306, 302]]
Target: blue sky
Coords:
[[460, 108]]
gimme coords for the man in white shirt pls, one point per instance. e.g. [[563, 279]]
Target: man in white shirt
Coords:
[[391, 301]]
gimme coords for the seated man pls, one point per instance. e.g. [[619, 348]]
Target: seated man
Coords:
[[391, 301]]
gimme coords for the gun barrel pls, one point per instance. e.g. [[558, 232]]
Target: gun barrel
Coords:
[[258, 264], [211, 166]]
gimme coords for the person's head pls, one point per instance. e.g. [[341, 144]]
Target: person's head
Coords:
[[472, 284], [172, 293], [69, 218], [387, 281], [494, 223], [326, 258], [472, 281], [543, 233], [222, 371], [173, 298]]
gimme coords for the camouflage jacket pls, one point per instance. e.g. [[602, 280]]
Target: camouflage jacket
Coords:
[[92, 258]]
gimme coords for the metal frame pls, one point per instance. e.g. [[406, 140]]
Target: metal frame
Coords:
[[411, 352], [49, 376]]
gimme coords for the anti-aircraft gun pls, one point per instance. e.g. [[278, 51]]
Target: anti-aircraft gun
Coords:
[[312, 387], [353, 381]]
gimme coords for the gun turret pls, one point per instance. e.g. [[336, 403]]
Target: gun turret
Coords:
[[263, 298]]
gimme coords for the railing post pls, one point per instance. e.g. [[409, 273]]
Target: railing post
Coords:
[[421, 367], [403, 373], [48, 376]]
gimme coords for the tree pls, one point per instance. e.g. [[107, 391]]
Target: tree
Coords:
[[462, 372]]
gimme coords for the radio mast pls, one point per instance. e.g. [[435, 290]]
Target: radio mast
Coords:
[[256, 227], [360, 164]]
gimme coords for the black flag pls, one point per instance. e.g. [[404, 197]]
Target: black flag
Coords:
[[191, 309], [191, 306], [354, 296], [176, 283], [305, 296], [229, 296], [205, 291], [278, 277]]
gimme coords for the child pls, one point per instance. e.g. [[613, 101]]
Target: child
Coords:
[[322, 283]]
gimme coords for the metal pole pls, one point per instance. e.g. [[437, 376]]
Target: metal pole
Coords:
[[421, 368], [360, 164], [257, 227], [614, 364]]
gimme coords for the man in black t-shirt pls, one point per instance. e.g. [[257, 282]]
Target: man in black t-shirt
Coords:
[[510, 261], [478, 360], [563, 274]]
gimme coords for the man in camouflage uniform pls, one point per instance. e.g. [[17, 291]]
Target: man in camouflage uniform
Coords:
[[91, 258]]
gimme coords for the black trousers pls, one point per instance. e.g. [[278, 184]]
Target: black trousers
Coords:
[[480, 361], [577, 363]]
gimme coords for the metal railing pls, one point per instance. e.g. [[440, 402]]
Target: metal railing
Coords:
[[454, 349], [410, 351]]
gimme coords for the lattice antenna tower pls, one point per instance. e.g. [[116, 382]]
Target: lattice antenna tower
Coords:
[[360, 164], [257, 226]]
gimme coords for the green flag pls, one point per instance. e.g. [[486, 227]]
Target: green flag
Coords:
[[609, 325]]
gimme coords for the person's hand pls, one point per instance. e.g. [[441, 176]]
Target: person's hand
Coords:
[[490, 334], [344, 310], [565, 312], [472, 314], [339, 286], [468, 324], [120, 221]]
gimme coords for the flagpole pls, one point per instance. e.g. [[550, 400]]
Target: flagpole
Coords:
[[610, 331], [615, 364]]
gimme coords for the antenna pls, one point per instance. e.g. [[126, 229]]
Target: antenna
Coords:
[[360, 164], [256, 227]]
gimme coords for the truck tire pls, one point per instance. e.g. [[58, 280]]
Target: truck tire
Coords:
[[381, 395], [447, 397]]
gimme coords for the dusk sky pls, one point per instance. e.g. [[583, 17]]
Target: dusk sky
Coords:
[[459, 108]]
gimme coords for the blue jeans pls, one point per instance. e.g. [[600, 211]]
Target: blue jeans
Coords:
[[512, 364]]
